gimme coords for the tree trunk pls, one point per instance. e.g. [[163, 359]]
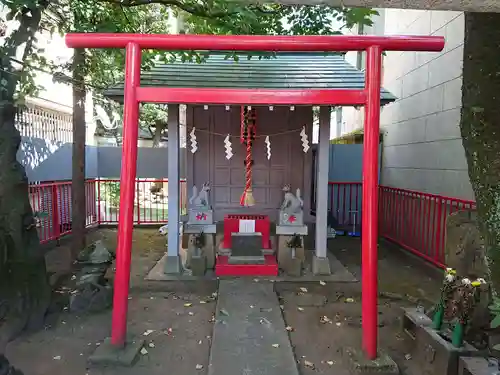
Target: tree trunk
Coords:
[[24, 288], [480, 127], [78, 171]]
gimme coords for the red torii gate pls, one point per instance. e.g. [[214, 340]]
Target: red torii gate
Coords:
[[368, 97]]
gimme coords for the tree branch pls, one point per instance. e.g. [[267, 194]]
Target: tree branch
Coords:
[[196, 10]]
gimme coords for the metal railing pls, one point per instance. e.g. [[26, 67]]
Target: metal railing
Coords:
[[414, 220]]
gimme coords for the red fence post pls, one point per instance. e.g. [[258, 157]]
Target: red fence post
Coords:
[[138, 203], [438, 232], [98, 182], [56, 222]]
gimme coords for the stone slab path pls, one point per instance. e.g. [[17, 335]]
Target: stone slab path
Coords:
[[249, 336]]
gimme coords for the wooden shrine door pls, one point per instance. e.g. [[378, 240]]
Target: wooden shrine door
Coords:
[[287, 164]]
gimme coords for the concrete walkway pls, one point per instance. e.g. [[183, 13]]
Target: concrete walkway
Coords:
[[249, 335]]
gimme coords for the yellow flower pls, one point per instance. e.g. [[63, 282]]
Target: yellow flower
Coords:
[[476, 283]]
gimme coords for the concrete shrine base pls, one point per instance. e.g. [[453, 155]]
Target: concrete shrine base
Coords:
[[359, 364], [109, 355]]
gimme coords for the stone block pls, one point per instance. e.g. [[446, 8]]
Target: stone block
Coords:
[[412, 318], [436, 355], [246, 244], [285, 253], [359, 364], [246, 259], [107, 354], [173, 265], [200, 228], [296, 219], [290, 230], [321, 266], [198, 264], [200, 216], [477, 366], [293, 267]]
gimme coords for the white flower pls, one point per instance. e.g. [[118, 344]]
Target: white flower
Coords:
[[466, 281], [449, 278], [448, 270], [481, 280]]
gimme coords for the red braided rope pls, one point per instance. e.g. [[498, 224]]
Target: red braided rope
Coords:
[[248, 158]]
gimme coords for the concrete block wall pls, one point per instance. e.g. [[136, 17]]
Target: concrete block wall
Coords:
[[422, 145]]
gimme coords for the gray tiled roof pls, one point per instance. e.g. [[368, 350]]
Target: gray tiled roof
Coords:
[[286, 71]]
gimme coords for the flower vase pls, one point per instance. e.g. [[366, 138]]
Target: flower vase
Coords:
[[437, 320]]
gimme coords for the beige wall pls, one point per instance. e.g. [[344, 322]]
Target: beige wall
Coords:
[[422, 145]]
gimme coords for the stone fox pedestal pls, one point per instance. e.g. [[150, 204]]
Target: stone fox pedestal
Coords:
[[200, 229], [291, 231]]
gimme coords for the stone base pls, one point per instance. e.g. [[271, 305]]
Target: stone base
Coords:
[[321, 266], [200, 215], [208, 250], [198, 265], [359, 364], [285, 253], [294, 267], [413, 318], [107, 354], [437, 356], [296, 219], [173, 265], [476, 366]]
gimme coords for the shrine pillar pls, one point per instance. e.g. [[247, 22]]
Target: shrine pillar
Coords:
[[321, 264], [173, 263]]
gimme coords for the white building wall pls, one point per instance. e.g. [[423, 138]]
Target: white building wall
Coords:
[[422, 145]]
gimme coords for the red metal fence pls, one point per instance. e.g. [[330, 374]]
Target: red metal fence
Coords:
[[51, 202], [416, 221], [411, 219]]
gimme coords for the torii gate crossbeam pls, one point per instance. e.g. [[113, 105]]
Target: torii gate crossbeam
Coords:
[[369, 97]]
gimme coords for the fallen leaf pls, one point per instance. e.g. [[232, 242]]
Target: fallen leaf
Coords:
[[330, 363], [282, 307], [144, 351], [324, 319], [303, 290], [309, 364], [407, 357], [214, 294], [203, 302], [256, 280], [148, 332], [322, 283], [349, 300], [151, 344], [276, 345], [199, 367], [289, 329], [300, 308], [191, 313], [224, 312], [199, 342], [57, 357], [188, 304], [338, 324]]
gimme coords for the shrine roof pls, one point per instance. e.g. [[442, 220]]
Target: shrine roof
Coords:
[[284, 71]]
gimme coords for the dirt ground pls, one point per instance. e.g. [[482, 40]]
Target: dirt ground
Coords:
[[181, 334], [403, 281]]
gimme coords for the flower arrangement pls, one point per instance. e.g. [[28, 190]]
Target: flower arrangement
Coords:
[[459, 297]]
